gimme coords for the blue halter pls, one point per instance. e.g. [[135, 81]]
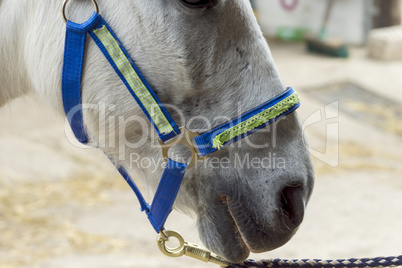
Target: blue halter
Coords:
[[201, 145]]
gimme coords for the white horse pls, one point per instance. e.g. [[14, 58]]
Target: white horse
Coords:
[[209, 59]]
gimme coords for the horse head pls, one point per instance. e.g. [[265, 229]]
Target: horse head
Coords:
[[208, 62]]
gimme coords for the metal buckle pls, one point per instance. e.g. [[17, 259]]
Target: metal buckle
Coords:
[[186, 139], [63, 10]]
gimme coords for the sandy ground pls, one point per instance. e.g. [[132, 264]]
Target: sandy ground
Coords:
[[62, 206]]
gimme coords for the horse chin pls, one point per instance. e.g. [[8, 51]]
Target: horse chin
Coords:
[[229, 245], [220, 234]]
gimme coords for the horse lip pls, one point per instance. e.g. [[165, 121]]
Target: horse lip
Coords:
[[241, 236], [270, 242]]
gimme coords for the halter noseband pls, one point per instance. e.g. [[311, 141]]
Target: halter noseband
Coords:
[[168, 132]]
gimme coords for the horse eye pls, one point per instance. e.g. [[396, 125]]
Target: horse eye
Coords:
[[200, 3]]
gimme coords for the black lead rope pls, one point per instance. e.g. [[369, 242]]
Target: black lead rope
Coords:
[[308, 263]]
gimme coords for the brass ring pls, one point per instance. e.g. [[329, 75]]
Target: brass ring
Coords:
[[171, 252], [185, 139], [63, 11]]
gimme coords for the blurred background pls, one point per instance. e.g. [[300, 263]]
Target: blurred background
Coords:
[[63, 206]]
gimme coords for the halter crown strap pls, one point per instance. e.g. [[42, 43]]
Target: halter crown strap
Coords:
[[72, 74]]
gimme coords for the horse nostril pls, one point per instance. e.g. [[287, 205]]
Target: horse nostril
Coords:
[[293, 204], [200, 3]]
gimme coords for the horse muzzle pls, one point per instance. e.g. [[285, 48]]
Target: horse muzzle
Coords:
[[243, 223]]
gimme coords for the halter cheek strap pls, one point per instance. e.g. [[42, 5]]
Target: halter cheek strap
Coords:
[[201, 145]]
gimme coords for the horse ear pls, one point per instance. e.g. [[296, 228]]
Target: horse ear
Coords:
[[200, 3]]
